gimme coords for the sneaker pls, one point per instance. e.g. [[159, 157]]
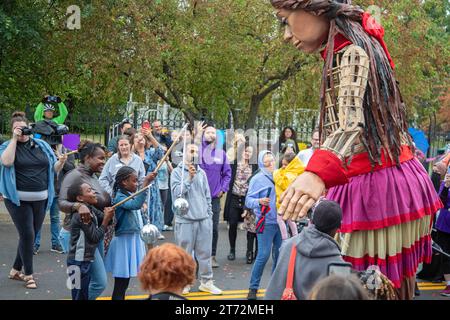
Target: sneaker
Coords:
[[214, 263], [209, 286], [186, 290], [169, 228], [35, 250], [57, 249], [161, 237], [252, 294], [446, 292]]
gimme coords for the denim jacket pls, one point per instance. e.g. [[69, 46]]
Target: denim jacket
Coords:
[[127, 215], [8, 174]]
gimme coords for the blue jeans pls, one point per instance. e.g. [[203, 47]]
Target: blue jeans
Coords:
[[54, 225], [64, 239], [99, 278], [268, 241], [97, 269], [81, 292]]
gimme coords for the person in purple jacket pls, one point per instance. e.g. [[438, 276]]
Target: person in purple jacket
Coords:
[[443, 231], [214, 162]]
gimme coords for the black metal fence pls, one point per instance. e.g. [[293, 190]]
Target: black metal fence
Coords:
[[99, 125]]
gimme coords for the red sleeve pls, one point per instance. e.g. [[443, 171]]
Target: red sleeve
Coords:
[[328, 167]]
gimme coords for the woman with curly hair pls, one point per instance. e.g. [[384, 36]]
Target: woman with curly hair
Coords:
[[166, 271], [366, 159]]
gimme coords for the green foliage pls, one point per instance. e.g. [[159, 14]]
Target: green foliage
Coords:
[[207, 58]]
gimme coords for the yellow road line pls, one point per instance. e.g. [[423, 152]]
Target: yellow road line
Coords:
[[193, 294], [237, 296], [432, 288], [429, 284]]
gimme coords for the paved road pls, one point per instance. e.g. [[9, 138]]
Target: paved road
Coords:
[[233, 277]]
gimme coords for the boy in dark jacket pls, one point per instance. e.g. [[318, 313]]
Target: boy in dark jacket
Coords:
[[84, 238], [316, 249]]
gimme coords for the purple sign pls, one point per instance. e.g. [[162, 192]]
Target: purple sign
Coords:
[[71, 141]]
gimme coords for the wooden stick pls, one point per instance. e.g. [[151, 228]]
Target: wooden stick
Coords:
[[163, 159], [70, 153], [132, 196]]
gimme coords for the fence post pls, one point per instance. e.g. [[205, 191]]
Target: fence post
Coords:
[[135, 116]]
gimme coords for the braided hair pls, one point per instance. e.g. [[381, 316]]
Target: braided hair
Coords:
[[123, 174], [384, 110]]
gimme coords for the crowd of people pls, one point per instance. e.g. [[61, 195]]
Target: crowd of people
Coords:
[[99, 239], [368, 202]]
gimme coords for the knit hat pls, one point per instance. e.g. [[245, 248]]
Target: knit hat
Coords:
[[49, 107], [327, 216]]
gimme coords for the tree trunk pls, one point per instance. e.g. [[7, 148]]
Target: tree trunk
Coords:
[[254, 108]]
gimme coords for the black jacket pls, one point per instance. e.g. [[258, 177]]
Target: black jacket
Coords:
[[228, 206], [84, 238]]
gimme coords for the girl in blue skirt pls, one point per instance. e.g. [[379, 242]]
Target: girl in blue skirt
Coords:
[[127, 250]]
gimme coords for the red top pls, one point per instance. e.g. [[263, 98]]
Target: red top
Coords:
[[332, 171]]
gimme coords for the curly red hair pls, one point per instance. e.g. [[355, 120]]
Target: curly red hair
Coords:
[[167, 267]]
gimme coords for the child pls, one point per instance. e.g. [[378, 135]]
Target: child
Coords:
[[166, 271], [127, 250], [252, 240], [84, 237], [291, 168]]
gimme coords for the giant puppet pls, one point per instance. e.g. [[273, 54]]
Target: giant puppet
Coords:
[[366, 159]]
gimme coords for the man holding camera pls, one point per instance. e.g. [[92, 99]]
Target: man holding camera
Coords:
[[46, 110], [194, 229]]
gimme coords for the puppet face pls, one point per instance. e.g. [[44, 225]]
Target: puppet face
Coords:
[[304, 30]]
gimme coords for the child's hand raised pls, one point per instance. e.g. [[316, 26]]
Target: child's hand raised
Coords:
[[149, 179], [109, 214]]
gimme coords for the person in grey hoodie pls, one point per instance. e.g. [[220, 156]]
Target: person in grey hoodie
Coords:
[[316, 249], [193, 231]]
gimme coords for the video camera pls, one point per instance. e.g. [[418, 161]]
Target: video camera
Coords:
[[27, 131], [49, 131], [52, 99]]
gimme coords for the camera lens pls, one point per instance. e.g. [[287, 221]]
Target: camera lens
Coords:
[[26, 131]]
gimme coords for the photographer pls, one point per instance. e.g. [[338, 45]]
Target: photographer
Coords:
[[27, 170], [46, 109], [52, 133]]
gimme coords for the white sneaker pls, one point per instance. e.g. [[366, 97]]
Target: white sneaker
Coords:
[[169, 228], [186, 290], [161, 237], [209, 286]]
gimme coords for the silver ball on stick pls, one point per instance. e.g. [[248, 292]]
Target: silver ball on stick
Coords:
[[149, 234], [181, 206]]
